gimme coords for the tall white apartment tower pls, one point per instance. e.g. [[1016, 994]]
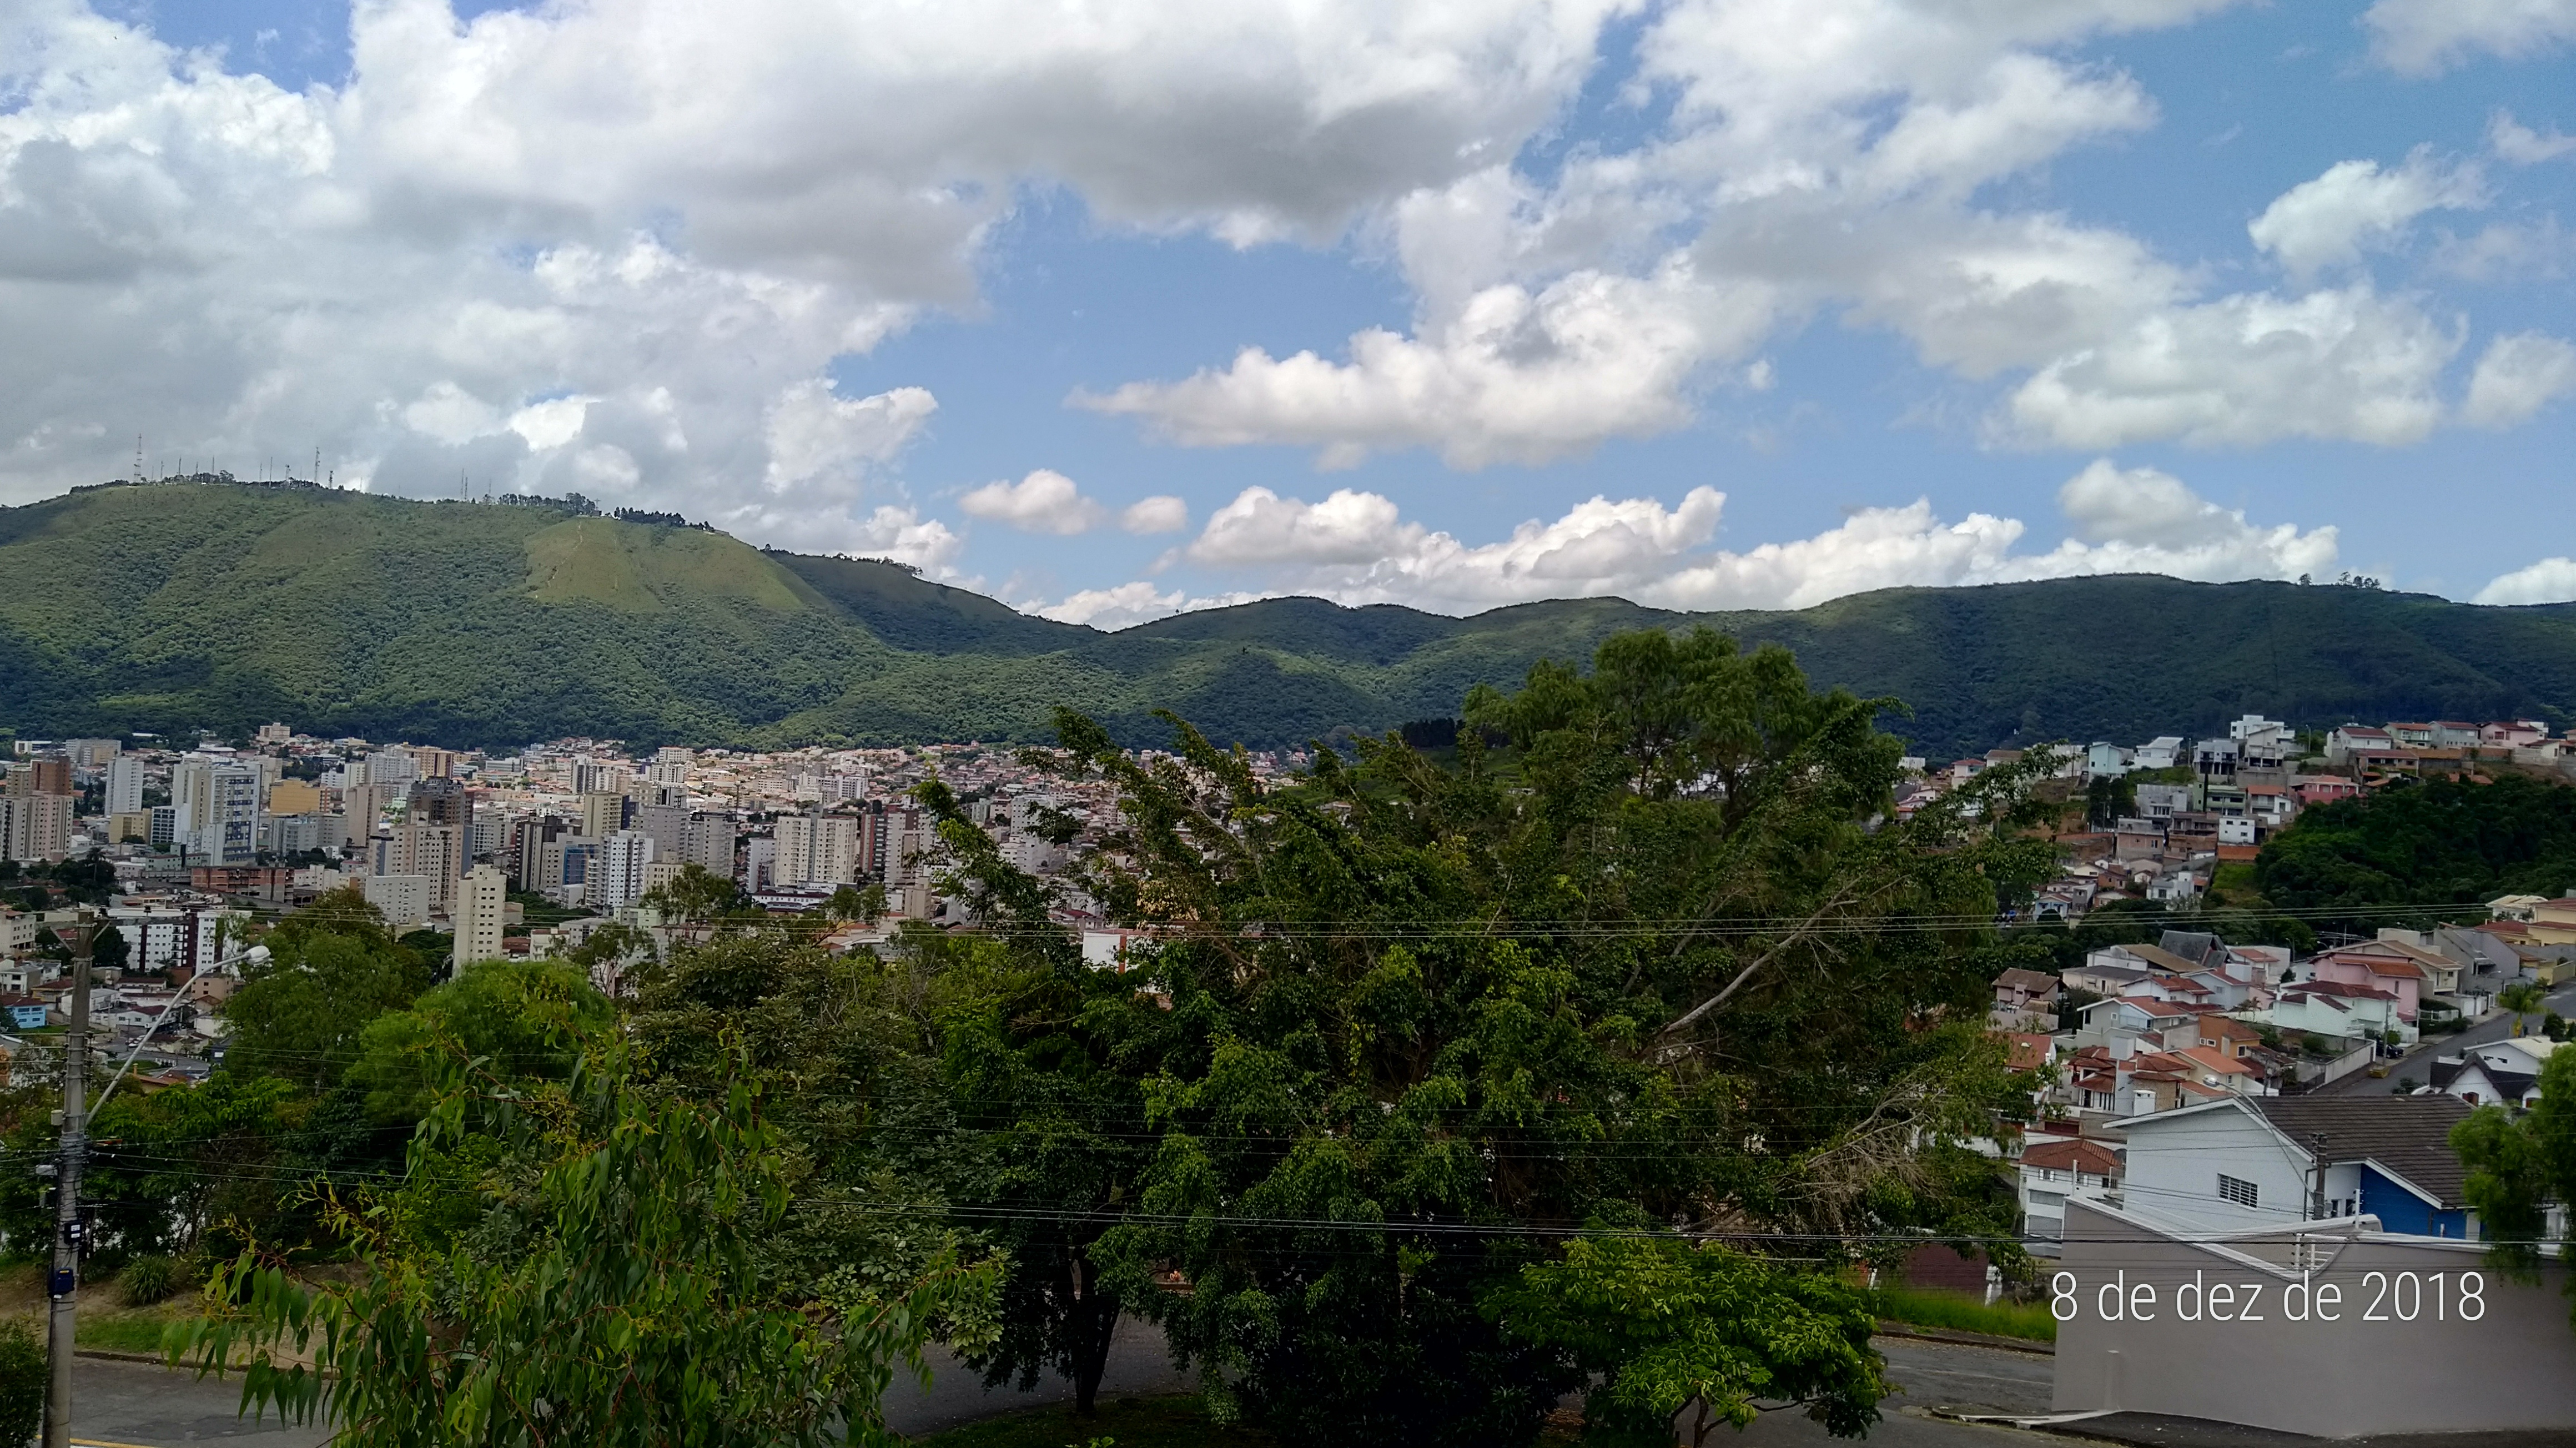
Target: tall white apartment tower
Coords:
[[482, 900], [817, 850], [124, 785]]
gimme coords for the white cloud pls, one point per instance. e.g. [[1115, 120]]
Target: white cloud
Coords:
[[451, 414], [552, 423], [902, 534], [1357, 548], [1113, 608], [1515, 377], [2245, 370], [822, 446], [2518, 376], [2328, 221], [660, 207], [2424, 37], [2551, 580], [1045, 501], [2512, 141], [1161, 513], [2508, 251], [1828, 156]]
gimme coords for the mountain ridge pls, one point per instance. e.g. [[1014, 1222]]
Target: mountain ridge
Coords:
[[209, 604]]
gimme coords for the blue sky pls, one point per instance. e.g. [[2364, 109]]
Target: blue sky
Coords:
[[1810, 297]]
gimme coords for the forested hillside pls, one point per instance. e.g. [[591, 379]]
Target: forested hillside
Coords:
[[178, 606]]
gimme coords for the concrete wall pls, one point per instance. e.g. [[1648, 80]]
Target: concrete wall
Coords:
[[2511, 1364]]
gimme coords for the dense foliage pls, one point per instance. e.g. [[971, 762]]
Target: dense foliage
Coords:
[[2522, 1166], [1404, 1023], [168, 607], [2438, 844]]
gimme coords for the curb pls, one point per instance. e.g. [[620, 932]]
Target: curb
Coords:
[[1966, 1339], [107, 1355]]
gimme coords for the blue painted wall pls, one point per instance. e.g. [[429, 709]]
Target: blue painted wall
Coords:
[[2400, 1210]]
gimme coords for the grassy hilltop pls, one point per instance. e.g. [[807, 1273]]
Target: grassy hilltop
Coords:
[[182, 605]]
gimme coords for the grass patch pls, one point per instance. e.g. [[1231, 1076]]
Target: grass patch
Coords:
[[1175, 1422], [121, 1331], [1964, 1314]]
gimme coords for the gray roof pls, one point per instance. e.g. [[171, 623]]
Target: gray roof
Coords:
[[2195, 946], [2408, 1135]]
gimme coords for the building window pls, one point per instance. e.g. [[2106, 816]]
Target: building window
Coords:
[[2236, 1189]]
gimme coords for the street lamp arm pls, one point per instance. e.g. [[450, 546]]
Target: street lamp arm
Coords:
[[256, 953]]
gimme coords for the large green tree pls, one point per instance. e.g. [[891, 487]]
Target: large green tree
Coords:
[[635, 1312], [1663, 959], [332, 969], [2520, 1165]]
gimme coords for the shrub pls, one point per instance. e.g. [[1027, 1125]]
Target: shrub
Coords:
[[147, 1280], [22, 1383]]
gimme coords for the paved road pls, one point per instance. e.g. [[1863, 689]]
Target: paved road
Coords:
[[2418, 1063], [1931, 1375], [135, 1405], [138, 1405]]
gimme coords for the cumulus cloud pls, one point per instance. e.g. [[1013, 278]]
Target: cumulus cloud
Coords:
[[1161, 513], [1832, 157], [1356, 547], [680, 215], [2328, 221], [2551, 580], [2425, 37], [1045, 501], [2247, 369], [2517, 376], [2520, 144], [902, 534], [1517, 376], [1113, 608]]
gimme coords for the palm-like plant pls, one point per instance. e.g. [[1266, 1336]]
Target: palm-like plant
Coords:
[[2522, 998]]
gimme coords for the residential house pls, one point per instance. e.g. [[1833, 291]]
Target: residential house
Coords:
[[2063, 899], [2270, 806], [2342, 744], [2025, 1000], [2552, 922], [2216, 760], [2257, 1161], [2177, 886], [2105, 760], [2514, 907], [2316, 789], [2228, 1036], [2413, 736], [2163, 801], [2101, 975], [2336, 1011], [2138, 839], [2381, 965], [2192, 947], [2456, 734], [2162, 752], [2153, 1023], [2514, 734], [2050, 1171], [2499, 1073]]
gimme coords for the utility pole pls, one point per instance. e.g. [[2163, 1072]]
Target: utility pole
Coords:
[[65, 1279]]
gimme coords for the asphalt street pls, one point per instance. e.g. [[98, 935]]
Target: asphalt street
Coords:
[[137, 1405], [2418, 1063]]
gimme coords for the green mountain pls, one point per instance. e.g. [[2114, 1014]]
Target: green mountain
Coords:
[[176, 606]]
